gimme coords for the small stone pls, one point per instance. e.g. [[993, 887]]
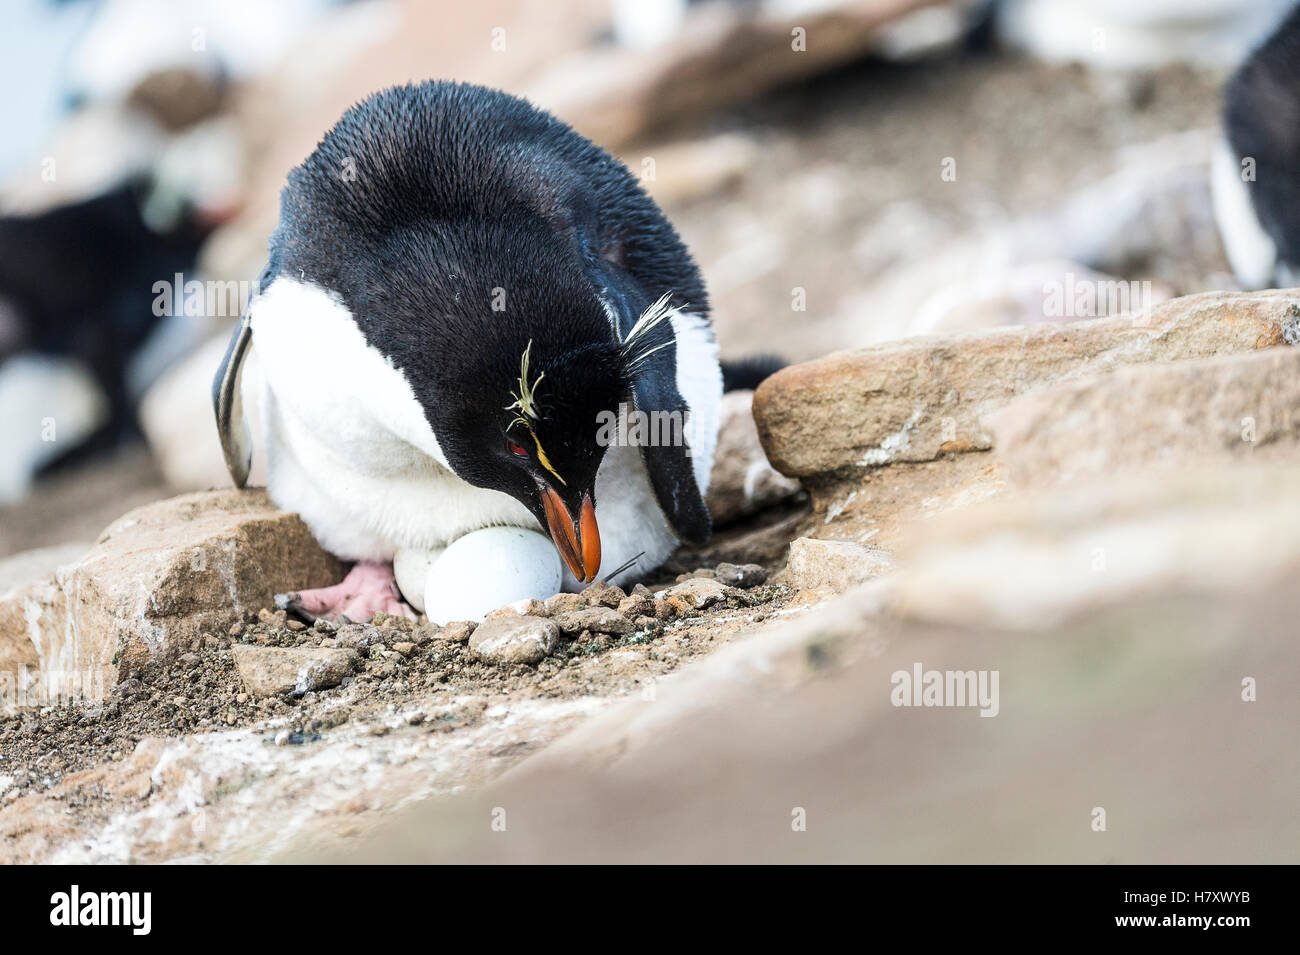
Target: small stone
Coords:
[[641, 590], [296, 625], [663, 609], [405, 648], [323, 625], [272, 671], [387, 621], [563, 603], [358, 636], [637, 605], [645, 623], [241, 698], [740, 575], [514, 640], [189, 660], [599, 593], [426, 633], [695, 594], [236, 629], [704, 573], [597, 619], [458, 631], [528, 607]]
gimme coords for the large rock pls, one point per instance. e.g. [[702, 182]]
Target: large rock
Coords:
[[917, 400], [1191, 412], [743, 482], [158, 580]]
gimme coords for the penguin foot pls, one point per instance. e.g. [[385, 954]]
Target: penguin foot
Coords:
[[369, 588]]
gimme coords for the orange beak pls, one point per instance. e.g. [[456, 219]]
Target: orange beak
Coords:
[[577, 541]]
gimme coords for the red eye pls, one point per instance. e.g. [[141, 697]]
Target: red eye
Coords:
[[516, 449]]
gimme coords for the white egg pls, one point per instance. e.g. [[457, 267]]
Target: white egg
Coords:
[[411, 569], [488, 569]]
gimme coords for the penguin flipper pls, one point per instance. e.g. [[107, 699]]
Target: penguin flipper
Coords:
[[670, 464], [228, 403]]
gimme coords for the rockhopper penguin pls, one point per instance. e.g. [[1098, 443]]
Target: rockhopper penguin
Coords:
[[461, 294]]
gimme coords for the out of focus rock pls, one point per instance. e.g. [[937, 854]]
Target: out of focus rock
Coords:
[[743, 481], [1047, 558], [721, 54], [1186, 413], [274, 671], [740, 575], [832, 565]]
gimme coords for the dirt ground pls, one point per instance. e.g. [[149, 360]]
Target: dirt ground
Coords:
[[437, 686]]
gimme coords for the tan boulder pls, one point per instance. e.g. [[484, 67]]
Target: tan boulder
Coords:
[[158, 580], [918, 399]]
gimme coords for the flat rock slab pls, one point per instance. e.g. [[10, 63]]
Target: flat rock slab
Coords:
[[1238, 407], [275, 671], [158, 580], [919, 399]]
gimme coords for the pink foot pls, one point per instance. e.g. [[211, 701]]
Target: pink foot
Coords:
[[367, 589]]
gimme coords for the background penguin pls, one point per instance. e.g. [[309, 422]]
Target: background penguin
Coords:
[[77, 314], [460, 290], [1257, 168]]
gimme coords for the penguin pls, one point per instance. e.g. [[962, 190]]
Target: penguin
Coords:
[[462, 293], [77, 303], [1256, 176]]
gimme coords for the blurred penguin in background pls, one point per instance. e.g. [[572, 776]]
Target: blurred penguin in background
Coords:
[[77, 306], [1257, 168]]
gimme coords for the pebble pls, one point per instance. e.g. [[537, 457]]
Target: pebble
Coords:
[[564, 603], [740, 575], [458, 631], [514, 640], [599, 593], [599, 619]]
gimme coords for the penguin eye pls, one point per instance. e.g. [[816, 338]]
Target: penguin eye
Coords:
[[518, 450]]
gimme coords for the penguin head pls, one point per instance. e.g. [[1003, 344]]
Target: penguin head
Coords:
[[520, 411], [548, 447]]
